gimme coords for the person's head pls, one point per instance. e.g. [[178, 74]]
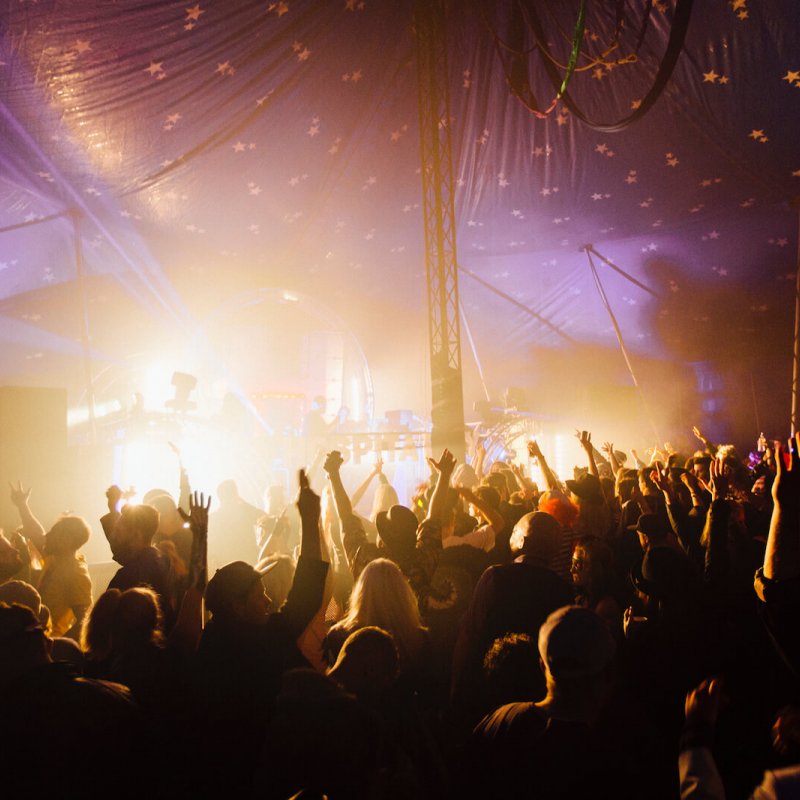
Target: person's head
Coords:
[[385, 498], [576, 650], [96, 633], [511, 668], [382, 597], [607, 485], [489, 495], [169, 518], [652, 530], [67, 536], [367, 664], [24, 594], [646, 485], [137, 621], [397, 532], [625, 488], [701, 464], [666, 578], [23, 642], [134, 530], [227, 492], [592, 567], [558, 505], [497, 480], [586, 489], [465, 475], [537, 535], [236, 594], [10, 559]]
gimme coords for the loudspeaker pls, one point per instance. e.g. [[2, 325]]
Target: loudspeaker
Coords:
[[33, 450]]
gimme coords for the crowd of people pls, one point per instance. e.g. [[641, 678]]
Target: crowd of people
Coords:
[[629, 632]]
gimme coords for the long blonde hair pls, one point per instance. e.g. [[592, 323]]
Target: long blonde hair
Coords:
[[383, 598]]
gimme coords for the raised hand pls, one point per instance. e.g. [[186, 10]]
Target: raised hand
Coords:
[[585, 438], [113, 497], [689, 480], [198, 522], [308, 503], [445, 465], [378, 468], [786, 486], [698, 433], [534, 451], [702, 703], [19, 495], [659, 477], [333, 463], [607, 448], [630, 622], [720, 482], [198, 512]]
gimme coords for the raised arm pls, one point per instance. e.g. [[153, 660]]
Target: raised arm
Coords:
[[32, 529], [715, 533], [678, 518], [443, 468], [189, 625], [708, 446], [608, 449], [782, 554], [550, 482], [332, 466], [361, 490], [585, 438], [492, 517]]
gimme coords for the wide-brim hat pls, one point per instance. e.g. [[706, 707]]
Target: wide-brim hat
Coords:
[[397, 528], [587, 487], [663, 573]]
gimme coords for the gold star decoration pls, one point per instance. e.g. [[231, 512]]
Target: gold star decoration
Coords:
[[710, 77], [792, 77]]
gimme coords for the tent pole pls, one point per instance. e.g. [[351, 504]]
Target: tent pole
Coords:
[[796, 344]]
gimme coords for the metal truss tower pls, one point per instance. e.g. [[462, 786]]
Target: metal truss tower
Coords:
[[447, 411]]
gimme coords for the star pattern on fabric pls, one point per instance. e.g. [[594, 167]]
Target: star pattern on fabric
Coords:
[[302, 52], [279, 9], [710, 77], [631, 177], [792, 77], [758, 135], [156, 70], [672, 160], [171, 121], [225, 68]]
